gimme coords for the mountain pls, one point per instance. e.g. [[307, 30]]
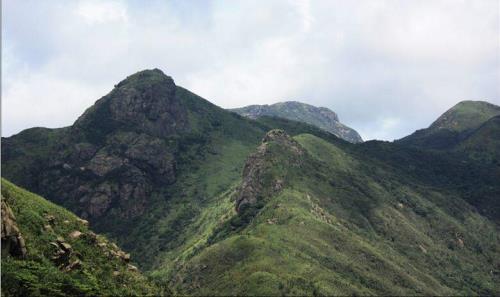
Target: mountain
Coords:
[[453, 126], [318, 218], [46, 250], [321, 117], [139, 163], [209, 202]]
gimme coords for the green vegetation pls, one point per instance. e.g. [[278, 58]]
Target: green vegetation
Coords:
[[455, 125], [466, 115], [419, 216], [339, 229], [42, 223]]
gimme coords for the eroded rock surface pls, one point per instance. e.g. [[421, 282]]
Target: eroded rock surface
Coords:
[[256, 183], [12, 240], [117, 152]]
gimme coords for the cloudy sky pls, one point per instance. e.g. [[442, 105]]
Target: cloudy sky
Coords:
[[386, 67]]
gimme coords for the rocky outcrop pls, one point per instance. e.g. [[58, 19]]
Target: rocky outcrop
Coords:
[[12, 240], [144, 102], [118, 151], [320, 117], [256, 182]]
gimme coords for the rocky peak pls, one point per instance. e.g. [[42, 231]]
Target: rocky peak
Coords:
[[143, 102], [277, 146], [120, 148], [320, 117], [277, 135]]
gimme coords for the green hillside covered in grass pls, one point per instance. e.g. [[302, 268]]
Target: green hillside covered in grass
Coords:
[[61, 256], [455, 125], [339, 228]]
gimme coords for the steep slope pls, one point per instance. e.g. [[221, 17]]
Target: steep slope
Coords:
[[316, 219], [453, 126], [483, 143], [321, 117], [140, 163], [46, 250]]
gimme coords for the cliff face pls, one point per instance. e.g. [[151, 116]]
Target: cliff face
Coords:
[[116, 152], [113, 157]]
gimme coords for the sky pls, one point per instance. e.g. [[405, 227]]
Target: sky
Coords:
[[386, 67]]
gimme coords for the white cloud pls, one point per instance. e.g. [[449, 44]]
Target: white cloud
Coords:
[[100, 12], [50, 101]]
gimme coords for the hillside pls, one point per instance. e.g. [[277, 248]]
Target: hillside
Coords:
[[46, 250], [316, 219], [483, 143], [139, 163], [321, 117], [453, 126], [209, 202]]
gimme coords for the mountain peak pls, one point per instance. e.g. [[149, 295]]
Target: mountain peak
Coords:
[[320, 117], [466, 115], [278, 135], [146, 77], [143, 102], [453, 126]]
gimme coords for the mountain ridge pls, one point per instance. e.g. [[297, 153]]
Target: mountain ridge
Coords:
[[220, 204], [321, 117], [453, 126]]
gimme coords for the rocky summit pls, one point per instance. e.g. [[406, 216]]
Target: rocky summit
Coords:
[[321, 117], [204, 201]]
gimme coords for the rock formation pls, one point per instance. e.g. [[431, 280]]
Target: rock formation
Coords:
[[255, 184], [12, 240]]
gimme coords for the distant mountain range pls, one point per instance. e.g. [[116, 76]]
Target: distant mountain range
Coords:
[[320, 117], [209, 202]]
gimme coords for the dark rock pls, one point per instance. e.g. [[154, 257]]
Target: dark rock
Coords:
[[145, 101], [51, 219], [73, 265]]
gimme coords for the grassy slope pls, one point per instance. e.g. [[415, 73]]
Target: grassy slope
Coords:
[[451, 128], [484, 143], [466, 115], [343, 229], [38, 275]]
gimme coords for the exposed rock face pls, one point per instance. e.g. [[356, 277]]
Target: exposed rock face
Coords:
[[117, 151], [254, 185], [321, 117], [144, 101], [12, 240]]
